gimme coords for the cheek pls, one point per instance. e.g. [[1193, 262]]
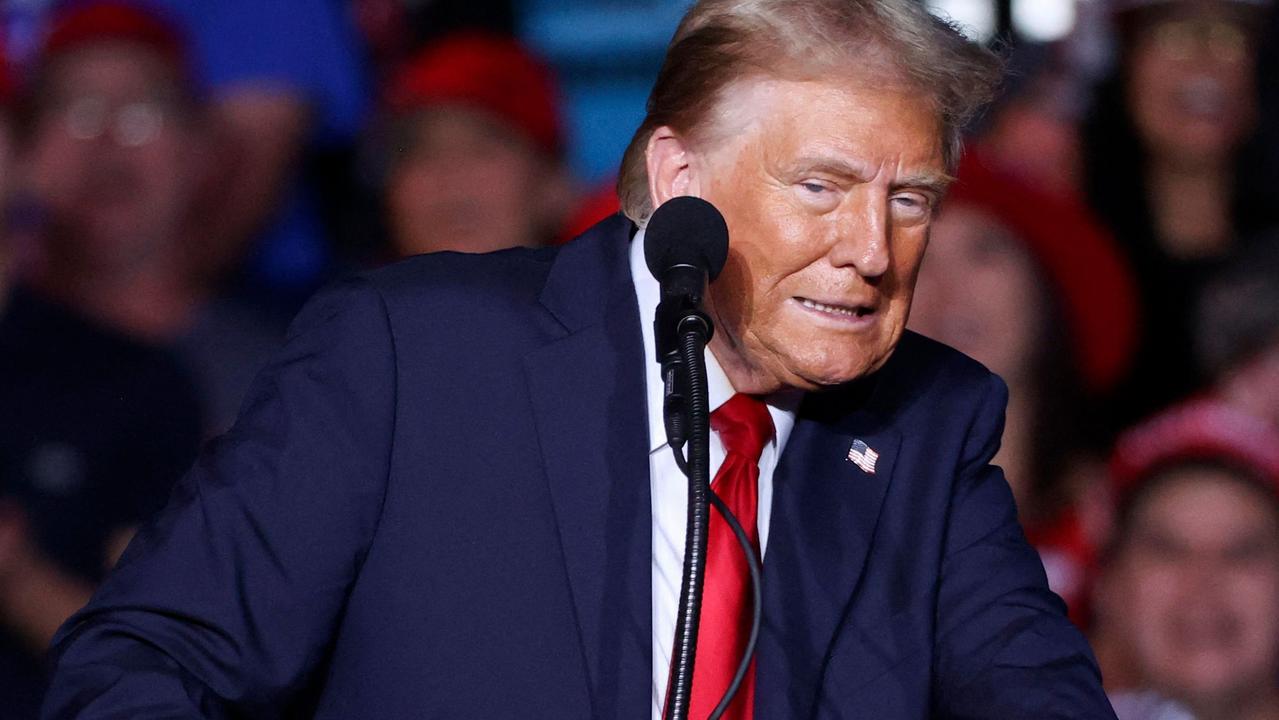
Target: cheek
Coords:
[[503, 179], [53, 157], [899, 285], [1150, 96], [499, 185], [768, 251], [1148, 623], [170, 180], [416, 186], [739, 302], [908, 259], [1255, 595], [1147, 599], [405, 189], [1237, 80]]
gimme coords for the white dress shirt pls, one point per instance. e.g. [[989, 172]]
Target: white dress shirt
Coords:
[[670, 487]]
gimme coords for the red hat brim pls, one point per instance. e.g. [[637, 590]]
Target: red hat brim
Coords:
[[1093, 284], [489, 72]]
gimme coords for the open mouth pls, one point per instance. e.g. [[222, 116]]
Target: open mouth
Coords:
[[850, 311]]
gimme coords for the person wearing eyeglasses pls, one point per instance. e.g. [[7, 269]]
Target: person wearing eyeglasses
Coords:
[[1170, 171], [99, 415], [125, 164]]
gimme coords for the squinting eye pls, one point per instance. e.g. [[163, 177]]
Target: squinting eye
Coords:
[[913, 204], [813, 187]]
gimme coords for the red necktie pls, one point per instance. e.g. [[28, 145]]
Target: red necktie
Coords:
[[744, 426]]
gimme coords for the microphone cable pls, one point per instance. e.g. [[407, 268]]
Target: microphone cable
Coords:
[[756, 573]]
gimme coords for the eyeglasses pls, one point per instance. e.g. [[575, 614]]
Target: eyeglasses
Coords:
[[131, 124], [1184, 39]]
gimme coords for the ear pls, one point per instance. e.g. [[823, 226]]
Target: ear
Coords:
[[671, 172]]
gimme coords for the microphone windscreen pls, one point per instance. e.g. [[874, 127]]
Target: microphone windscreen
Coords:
[[686, 231]]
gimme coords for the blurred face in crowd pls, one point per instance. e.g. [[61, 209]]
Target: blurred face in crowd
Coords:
[[1195, 587], [469, 183], [111, 155], [828, 188], [1190, 84], [980, 292]]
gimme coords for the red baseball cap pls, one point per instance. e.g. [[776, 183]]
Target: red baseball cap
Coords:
[[1205, 429], [1079, 259], [82, 23], [489, 72]]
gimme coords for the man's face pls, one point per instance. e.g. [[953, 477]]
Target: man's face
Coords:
[[1190, 86], [111, 157], [468, 183], [980, 292], [828, 189], [1196, 586]]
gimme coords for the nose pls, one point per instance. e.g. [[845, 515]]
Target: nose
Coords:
[[862, 239]]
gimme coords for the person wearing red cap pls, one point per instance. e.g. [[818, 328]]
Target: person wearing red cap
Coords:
[[474, 148], [1026, 283], [1188, 602], [112, 151], [100, 417], [123, 168]]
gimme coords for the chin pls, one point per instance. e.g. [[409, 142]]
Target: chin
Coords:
[[816, 376]]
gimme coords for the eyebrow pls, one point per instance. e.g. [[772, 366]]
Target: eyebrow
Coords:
[[926, 181], [931, 182], [830, 166]]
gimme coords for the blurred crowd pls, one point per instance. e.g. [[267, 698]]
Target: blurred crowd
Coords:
[[176, 176]]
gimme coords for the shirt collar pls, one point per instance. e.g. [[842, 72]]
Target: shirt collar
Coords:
[[781, 405]]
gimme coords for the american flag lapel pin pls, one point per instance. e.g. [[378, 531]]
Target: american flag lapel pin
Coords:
[[863, 456]]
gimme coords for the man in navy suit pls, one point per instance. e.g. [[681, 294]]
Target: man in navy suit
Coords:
[[450, 496]]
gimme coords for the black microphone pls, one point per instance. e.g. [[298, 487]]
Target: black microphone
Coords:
[[685, 246]]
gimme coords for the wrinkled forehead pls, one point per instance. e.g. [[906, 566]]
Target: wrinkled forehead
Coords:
[[833, 115], [870, 65], [112, 66]]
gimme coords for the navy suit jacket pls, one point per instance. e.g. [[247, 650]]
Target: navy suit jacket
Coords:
[[435, 504]]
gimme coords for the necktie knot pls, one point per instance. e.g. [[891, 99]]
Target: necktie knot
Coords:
[[744, 425]]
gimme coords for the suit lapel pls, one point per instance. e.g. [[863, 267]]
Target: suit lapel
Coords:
[[589, 405], [825, 509]]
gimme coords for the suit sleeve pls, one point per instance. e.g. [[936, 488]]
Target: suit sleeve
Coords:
[[1005, 648], [224, 604]]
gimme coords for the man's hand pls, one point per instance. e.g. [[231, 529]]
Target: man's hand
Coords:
[[35, 595], [15, 544]]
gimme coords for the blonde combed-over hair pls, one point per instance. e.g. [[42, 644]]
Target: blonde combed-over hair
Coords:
[[720, 42]]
